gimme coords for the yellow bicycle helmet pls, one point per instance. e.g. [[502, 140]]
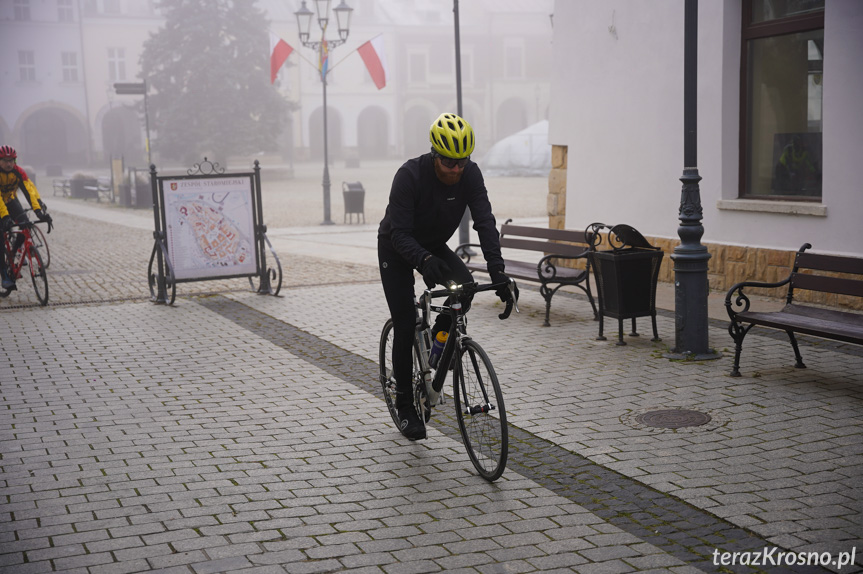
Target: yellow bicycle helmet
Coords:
[[451, 136]]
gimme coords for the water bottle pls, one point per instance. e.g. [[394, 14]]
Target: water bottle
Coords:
[[437, 348]]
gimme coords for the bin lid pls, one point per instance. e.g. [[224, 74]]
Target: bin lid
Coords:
[[628, 236], [352, 186], [620, 237]]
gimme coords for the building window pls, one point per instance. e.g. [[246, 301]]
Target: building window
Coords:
[[65, 11], [782, 60], [513, 64], [26, 66], [418, 68], [70, 66], [22, 9], [116, 64]]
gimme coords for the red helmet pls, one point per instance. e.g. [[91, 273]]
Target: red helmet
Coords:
[[8, 151]]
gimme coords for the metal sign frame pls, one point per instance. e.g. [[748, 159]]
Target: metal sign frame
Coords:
[[161, 275]]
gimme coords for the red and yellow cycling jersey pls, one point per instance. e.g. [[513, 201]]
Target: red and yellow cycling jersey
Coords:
[[10, 183]]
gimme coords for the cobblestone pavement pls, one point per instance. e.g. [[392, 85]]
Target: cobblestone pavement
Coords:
[[235, 432]]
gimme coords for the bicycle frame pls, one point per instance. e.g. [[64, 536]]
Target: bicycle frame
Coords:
[[9, 245], [457, 331]]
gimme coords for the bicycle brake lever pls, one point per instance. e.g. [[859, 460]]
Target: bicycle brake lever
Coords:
[[427, 305], [512, 292]]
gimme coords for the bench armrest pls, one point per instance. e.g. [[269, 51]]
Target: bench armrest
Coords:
[[463, 251], [741, 301], [547, 270]]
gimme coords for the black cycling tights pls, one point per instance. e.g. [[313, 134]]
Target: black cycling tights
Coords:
[[16, 212], [397, 277]]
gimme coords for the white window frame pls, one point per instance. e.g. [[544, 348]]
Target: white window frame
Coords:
[[111, 7], [22, 10], [116, 64], [69, 61], [511, 44], [26, 65], [65, 11], [413, 70]]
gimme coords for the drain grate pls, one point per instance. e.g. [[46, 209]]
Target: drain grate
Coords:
[[673, 418]]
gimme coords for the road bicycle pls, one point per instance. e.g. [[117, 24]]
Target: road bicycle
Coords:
[[27, 255], [476, 392]]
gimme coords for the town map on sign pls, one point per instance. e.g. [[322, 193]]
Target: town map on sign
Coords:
[[210, 234]]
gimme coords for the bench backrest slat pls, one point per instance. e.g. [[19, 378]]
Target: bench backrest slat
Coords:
[[543, 233], [543, 246], [833, 263], [825, 284]]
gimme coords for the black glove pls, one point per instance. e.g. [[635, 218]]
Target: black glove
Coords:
[[43, 204], [498, 276], [7, 223], [435, 271], [45, 217]]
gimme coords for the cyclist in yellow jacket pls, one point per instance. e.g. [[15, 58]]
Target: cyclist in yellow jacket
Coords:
[[13, 178]]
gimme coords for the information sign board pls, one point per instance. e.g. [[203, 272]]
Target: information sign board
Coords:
[[209, 226]]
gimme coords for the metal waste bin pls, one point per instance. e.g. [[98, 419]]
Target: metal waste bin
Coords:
[[354, 195], [125, 194], [626, 276]]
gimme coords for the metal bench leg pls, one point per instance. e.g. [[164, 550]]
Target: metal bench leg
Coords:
[[799, 364], [655, 332], [546, 294], [737, 332], [590, 296], [634, 332], [620, 341], [601, 337]]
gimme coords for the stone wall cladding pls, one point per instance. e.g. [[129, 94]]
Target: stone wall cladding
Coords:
[[728, 264], [557, 188]]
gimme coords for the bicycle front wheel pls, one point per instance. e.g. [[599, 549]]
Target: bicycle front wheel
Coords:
[[41, 243], [38, 274], [480, 411]]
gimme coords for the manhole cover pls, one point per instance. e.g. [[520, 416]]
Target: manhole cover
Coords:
[[673, 418]]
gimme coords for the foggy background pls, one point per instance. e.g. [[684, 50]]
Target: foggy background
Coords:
[[206, 65]]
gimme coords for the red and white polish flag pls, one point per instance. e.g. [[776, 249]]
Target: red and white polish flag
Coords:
[[372, 53], [279, 52]]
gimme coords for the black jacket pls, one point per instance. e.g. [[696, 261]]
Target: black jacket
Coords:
[[423, 213]]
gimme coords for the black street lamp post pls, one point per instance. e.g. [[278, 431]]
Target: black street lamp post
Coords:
[[464, 226], [690, 257], [343, 22]]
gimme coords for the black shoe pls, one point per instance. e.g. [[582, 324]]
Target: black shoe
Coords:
[[410, 423]]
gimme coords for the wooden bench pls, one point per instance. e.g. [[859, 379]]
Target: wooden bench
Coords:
[[809, 273], [546, 271], [61, 188]]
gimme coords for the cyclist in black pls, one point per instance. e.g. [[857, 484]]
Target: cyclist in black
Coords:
[[13, 178], [427, 201]]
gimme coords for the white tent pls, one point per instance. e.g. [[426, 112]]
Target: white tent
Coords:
[[524, 153]]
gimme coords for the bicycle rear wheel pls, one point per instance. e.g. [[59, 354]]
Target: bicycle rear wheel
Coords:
[[41, 243], [37, 274], [388, 380], [480, 411]]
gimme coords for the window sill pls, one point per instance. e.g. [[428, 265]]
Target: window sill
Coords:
[[764, 206]]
